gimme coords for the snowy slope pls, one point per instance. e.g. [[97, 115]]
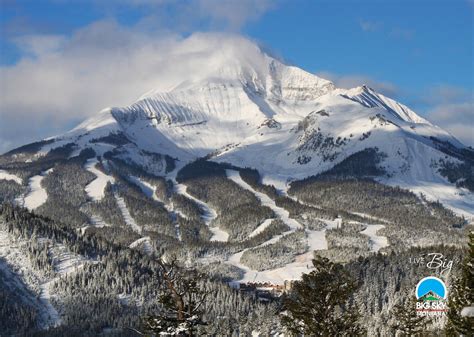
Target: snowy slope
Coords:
[[37, 195], [96, 189], [377, 242], [250, 109]]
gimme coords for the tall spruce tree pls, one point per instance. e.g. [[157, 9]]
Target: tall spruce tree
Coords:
[[181, 303], [318, 305], [461, 298], [408, 322]]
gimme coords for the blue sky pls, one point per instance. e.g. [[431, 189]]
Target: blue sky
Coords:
[[419, 51]]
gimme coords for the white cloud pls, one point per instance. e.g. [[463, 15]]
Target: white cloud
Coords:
[[36, 45], [402, 33], [393, 32], [457, 118], [443, 93], [234, 13], [215, 14], [369, 26], [101, 65], [61, 80]]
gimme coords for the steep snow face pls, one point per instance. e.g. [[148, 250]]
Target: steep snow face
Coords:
[[103, 121], [218, 112], [294, 84], [237, 61], [371, 99]]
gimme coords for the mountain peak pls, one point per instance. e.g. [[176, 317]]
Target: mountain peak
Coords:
[[370, 98], [232, 60], [224, 98]]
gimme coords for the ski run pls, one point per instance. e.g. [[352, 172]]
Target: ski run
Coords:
[[208, 216], [316, 240], [96, 189], [377, 242], [37, 195]]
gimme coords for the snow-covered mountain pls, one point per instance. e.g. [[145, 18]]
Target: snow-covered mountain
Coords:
[[252, 110], [185, 172]]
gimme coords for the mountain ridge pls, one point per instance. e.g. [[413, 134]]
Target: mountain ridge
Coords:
[[251, 110]]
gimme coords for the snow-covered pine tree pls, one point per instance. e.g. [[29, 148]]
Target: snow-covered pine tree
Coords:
[[181, 303], [461, 298], [407, 320], [318, 305]]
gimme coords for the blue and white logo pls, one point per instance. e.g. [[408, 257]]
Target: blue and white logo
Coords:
[[431, 288]]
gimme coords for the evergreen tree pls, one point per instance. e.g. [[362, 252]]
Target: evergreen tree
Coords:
[[181, 302], [461, 298], [408, 322], [318, 305]]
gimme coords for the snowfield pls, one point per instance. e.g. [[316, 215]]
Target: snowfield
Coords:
[[467, 311], [95, 221], [18, 266], [53, 317], [96, 189], [459, 200], [65, 263], [150, 191], [219, 234], [37, 195]]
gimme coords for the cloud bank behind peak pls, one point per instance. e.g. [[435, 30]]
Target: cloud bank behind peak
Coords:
[[64, 79]]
